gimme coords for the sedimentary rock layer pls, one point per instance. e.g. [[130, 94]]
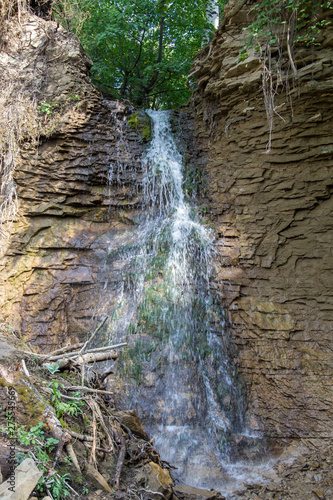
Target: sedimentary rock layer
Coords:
[[272, 207], [77, 176]]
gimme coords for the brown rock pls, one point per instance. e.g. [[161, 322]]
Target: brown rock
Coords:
[[96, 478], [189, 492], [24, 479], [133, 422], [158, 480], [277, 208]]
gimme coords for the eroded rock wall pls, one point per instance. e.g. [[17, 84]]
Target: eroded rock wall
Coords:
[[273, 213], [77, 177]]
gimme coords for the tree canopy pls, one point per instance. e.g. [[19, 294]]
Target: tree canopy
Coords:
[[143, 49]]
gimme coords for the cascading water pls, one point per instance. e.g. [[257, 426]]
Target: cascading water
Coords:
[[185, 386]]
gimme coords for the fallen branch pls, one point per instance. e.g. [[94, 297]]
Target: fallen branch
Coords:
[[57, 432], [153, 492], [93, 335], [63, 350], [92, 459], [25, 369], [68, 362], [57, 352], [87, 389], [71, 453], [76, 354], [102, 423], [121, 457], [80, 437]]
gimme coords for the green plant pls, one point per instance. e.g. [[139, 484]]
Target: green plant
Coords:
[[297, 21], [280, 26], [143, 49], [35, 435], [53, 368], [56, 484], [72, 407], [56, 393], [45, 108]]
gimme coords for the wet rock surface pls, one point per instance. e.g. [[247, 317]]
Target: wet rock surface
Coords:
[[309, 476]]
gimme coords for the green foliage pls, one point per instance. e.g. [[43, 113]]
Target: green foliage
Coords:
[[53, 368], [34, 436], [45, 108], [57, 485], [140, 122], [142, 49], [295, 20], [40, 448], [71, 407]]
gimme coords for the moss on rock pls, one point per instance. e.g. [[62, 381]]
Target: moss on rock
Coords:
[[140, 122]]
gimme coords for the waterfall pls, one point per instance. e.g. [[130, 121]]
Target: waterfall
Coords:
[[177, 366]]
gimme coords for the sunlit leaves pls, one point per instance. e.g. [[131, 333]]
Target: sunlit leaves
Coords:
[[125, 38]]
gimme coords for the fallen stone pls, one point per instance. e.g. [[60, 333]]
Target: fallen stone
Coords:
[[158, 480], [20, 485], [133, 422], [96, 478], [189, 492], [318, 492]]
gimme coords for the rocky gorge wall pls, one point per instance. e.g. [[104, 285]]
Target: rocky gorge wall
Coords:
[[77, 176], [273, 213]]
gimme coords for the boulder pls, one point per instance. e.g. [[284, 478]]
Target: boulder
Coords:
[[133, 422], [158, 481], [183, 491], [96, 478], [21, 483]]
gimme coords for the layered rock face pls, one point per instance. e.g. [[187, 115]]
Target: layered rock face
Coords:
[[77, 177], [273, 212]]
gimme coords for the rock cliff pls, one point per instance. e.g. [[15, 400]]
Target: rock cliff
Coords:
[[272, 208], [77, 176]]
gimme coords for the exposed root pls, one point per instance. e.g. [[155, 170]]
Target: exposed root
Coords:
[[71, 453], [121, 457]]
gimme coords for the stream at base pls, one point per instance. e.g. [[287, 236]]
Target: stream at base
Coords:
[[177, 368]]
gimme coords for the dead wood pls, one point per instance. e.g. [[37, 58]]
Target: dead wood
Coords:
[[97, 357], [80, 437], [58, 352], [71, 453], [84, 348], [57, 432], [63, 350], [87, 389], [121, 457], [66, 363], [25, 369], [92, 459], [153, 493], [103, 425], [76, 354]]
